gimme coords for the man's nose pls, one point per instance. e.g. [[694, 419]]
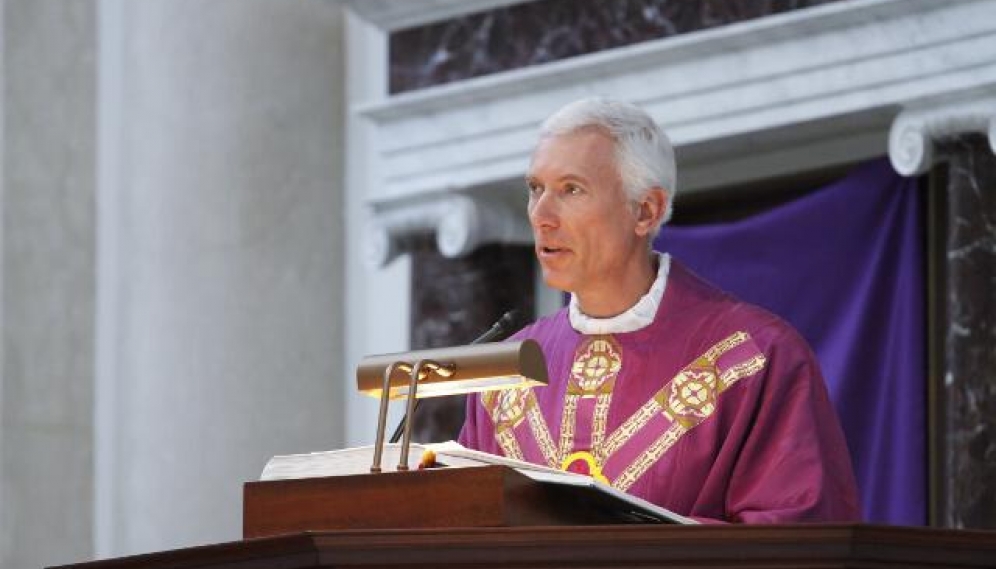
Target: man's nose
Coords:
[[543, 211]]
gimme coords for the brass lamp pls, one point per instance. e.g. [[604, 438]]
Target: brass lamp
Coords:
[[445, 371]]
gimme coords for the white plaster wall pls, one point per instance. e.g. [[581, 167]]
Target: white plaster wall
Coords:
[[46, 382], [5, 519], [379, 299], [222, 246]]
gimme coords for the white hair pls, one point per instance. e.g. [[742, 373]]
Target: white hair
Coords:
[[644, 156]]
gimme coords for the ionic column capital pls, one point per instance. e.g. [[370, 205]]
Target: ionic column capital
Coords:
[[460, 223], [917, 129]]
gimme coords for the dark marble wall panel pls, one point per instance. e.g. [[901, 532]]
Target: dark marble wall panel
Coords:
[[549, 30], [968, 470], [456, 300]]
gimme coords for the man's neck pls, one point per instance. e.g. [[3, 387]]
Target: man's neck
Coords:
[[639, 315], [624, 294]]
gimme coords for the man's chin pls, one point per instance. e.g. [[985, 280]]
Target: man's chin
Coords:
[[556, 282]]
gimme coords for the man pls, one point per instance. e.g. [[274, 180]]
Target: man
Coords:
[[660, 384]]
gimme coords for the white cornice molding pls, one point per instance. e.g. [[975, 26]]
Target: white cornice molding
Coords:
[[461, 223], [801, 90], [797, 75], [918, 127], [390, 15]]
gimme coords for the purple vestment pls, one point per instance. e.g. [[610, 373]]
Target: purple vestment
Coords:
[[717, 410]]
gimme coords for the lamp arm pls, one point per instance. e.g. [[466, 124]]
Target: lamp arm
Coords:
[[382, 416], [501, 329], [417, 374]]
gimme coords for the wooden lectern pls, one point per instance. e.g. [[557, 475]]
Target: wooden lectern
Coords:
[[483, 496], [494, 517]]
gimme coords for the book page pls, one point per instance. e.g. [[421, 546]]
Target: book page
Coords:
[[340, 462], [446, 452]]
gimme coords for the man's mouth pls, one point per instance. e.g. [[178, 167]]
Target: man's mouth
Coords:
[[551, 250]]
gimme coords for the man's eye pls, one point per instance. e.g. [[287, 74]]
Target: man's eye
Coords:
[[572, 189], [534, 189]]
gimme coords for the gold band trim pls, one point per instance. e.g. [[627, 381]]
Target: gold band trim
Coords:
[[651, 408], [685, 422], [725, 345], [540, 431], [567, 424], [624, 432], [647, 459], [741, 370], [506, 439], [600, 420]]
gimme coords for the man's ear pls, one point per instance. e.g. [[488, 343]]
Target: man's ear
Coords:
[[650, 210]]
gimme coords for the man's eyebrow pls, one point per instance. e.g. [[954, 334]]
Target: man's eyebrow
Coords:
[[530, 178], [573, 178]]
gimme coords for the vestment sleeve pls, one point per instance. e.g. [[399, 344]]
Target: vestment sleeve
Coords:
[[794, 464]]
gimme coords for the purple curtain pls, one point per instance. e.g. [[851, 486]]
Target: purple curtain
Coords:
[[844, 265]]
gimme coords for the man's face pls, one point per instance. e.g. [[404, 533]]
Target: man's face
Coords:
[[585, 227]]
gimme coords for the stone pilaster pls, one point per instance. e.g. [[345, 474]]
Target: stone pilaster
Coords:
[[967, 461], [960, 131]]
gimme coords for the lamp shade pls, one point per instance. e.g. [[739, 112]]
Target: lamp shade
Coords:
[[467, 369]]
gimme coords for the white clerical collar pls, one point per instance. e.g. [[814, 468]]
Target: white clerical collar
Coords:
[[640, 315]]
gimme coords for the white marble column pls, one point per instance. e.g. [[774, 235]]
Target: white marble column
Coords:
[[221, 247], [48, 282]]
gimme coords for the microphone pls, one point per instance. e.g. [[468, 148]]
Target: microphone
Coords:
[[501, 329]]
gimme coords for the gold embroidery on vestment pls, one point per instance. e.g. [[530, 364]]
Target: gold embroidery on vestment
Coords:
[[509, 445], [567, 421], [741, 370], [541, 433], [596, 362], [687, 400], [650, 457], [725, 345], [596, 365], [692, 396], [600, 419], [658, 403], [507, 407], [624, 432]]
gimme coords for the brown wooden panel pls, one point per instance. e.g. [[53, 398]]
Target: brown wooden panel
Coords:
[[490, 496], [802, 546]]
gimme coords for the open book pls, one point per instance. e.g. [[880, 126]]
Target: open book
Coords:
[[353, 461]]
